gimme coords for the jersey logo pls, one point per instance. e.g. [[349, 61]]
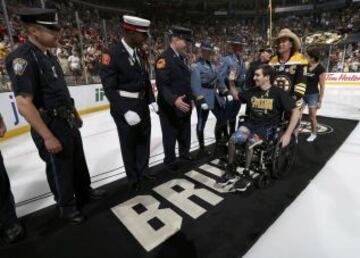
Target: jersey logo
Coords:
[[106, 59], [19, 66], [283, 82], [260, 103], [161, 63]]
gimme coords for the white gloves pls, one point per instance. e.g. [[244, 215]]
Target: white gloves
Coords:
[[229, 98], [154, 107], [204, 106], [132, 118]]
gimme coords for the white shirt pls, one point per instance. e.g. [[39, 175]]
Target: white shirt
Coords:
[[74, 62], [130, 50]]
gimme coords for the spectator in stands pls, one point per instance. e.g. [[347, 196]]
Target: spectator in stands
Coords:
[[75, 64]]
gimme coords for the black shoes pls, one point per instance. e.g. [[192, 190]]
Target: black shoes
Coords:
[[136, 187], [150, 177], [203, 153], [96, 194], [12, 234], [71, 215], [244, 182], [172, 167], [187, 157]]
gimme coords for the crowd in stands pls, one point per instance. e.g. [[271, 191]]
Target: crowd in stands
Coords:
[[80, 63]]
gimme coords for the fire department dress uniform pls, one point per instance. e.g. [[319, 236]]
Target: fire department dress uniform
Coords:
[[173, 81], [128, 88]]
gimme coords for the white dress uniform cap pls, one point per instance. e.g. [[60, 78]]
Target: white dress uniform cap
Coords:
[[136, 23]]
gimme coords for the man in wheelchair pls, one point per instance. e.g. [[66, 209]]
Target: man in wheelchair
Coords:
[[265, 106]]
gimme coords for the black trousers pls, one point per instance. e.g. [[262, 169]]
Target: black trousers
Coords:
[[174, 129], [67, 171], [7, 204], [135, 144]]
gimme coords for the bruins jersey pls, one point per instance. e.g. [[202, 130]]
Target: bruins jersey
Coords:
[[291, 76]]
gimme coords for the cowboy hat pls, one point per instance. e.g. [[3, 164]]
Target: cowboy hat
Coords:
[[286, 33]]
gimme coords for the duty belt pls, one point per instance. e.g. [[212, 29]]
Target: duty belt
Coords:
[[132, 95], [62, 112]]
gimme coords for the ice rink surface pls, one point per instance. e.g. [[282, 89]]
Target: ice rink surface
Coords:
[[324, 221]]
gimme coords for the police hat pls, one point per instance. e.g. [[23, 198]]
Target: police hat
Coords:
[[42, 16], [136, 24], [269, 50], [207, 44], [235, 40], [181, 32]]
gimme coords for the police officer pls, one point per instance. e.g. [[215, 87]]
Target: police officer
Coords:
[[175, 96], [204, 82], [127, 85], [44, 100], [265, 55], [232, 60], [11, 230]]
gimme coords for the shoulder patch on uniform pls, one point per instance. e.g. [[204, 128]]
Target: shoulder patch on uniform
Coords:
[[105, 59], [19, 66], [161, 63]]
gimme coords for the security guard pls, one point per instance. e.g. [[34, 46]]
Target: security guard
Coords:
[[11, 230], [44, 100], [127, 86], [233, 59], [175, 96], [204, 81]]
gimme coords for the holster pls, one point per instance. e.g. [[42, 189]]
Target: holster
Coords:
[[63, 112]]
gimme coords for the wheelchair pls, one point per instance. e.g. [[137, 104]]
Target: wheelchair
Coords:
[[269, 159]]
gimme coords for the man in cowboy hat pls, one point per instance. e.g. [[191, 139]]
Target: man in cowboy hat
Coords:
[[232, 60], [290, 65], [127, 86]]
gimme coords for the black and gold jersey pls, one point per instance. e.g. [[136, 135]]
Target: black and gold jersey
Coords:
[[291, 76]]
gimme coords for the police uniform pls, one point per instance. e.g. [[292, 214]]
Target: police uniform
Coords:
[[128, 88], [10, 229], [173, 81], [37, 73], [204, 81], [229, 61], [291, 75]]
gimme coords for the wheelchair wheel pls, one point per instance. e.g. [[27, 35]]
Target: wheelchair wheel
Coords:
[[262, 180], [283, 159]]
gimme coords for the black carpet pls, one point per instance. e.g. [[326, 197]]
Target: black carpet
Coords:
[[228, 229]]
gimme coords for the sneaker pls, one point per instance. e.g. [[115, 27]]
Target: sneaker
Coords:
[[311, 138], [226, 179], [229, 176], [242, 184]]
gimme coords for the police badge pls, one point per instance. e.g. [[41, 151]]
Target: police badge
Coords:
[[19, 66]]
